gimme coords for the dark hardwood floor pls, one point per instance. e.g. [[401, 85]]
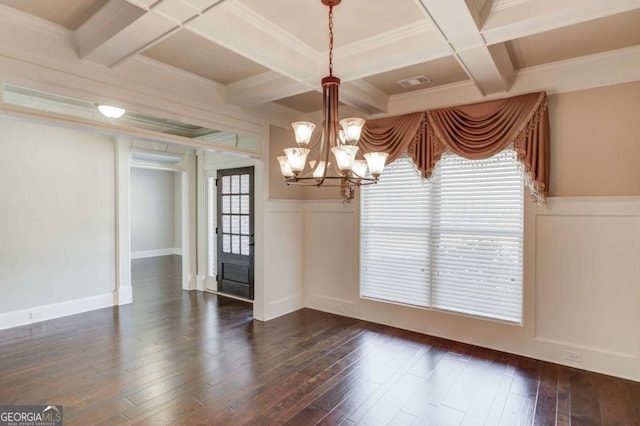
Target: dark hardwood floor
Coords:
[[176, 357]]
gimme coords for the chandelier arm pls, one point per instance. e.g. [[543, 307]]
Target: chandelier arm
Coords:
[[339, 181], [333, 108], [315, 142], [322, 156]]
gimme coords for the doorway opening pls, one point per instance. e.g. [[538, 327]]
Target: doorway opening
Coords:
[[157, 203], [232, 242]]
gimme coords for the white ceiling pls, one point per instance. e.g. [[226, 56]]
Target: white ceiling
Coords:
[[276, 50]]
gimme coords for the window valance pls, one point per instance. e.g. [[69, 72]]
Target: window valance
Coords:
[[474, 131]]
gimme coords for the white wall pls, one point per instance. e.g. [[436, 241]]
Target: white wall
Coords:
[[57, 227], [177, 212], [153, 212], [284, 257], [582, 292]]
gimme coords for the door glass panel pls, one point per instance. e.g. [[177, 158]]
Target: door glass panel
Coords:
[[235, 204], [244, 184], [226, 184], [235, 184], [226, 204], [244, 246], [226, 224], [226, 243], [244, 225], [235, 244], [244, 204], [235, 224]]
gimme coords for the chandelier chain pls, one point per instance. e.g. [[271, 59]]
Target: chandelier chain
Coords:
[[331, 39]]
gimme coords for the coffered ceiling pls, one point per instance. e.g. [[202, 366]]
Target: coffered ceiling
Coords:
[[276, 50]]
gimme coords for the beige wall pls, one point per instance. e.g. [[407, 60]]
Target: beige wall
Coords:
[[595, 141], [280, 139]]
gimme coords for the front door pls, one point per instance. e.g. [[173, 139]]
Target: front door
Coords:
[[235, 232]]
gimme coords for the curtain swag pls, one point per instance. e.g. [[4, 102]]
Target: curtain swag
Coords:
[[473, 131]]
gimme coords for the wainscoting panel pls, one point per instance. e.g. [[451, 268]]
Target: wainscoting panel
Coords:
[[283, 259], [587, 281], [588, 274], [331, 256]]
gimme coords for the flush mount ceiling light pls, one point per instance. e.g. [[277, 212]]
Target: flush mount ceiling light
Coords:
[[347, 171], [111, 111]]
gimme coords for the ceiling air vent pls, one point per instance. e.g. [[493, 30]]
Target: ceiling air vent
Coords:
[[414, 81]]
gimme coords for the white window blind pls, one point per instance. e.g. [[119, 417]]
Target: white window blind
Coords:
[[453, 243], [394, 234]]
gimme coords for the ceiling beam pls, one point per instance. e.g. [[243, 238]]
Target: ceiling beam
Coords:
[[266, 87], [363, 96], [458, 24], [261, 41], [122, 29], [509, 23], [400, 48]]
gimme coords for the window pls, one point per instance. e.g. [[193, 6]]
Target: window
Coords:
[[453, 242]]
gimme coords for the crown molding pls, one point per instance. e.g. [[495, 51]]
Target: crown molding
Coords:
[[363, 96], [266, 87], [528, 24], [144, 4], [505, 4], [150, 62], [398, 35], [14, 16], [290, 59], [418, 48], [586, 72]]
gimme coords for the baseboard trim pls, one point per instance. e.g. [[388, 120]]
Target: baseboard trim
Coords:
[[143, 254], [125, 295], [56, 310], [286, 305]]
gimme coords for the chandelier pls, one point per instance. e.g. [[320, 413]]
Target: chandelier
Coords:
[[342, 169]]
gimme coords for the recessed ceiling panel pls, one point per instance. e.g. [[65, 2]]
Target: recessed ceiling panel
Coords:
[[195, 54], [599, 35], [439, 71], [68, 13], [304, 102], [354, 20]]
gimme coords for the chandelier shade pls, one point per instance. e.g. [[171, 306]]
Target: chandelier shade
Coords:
[[297, 158], [352, 129], [337, 139], [303, 131]]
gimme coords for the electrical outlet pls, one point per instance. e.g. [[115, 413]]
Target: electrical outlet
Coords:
[[37, 314], [573, 356]]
